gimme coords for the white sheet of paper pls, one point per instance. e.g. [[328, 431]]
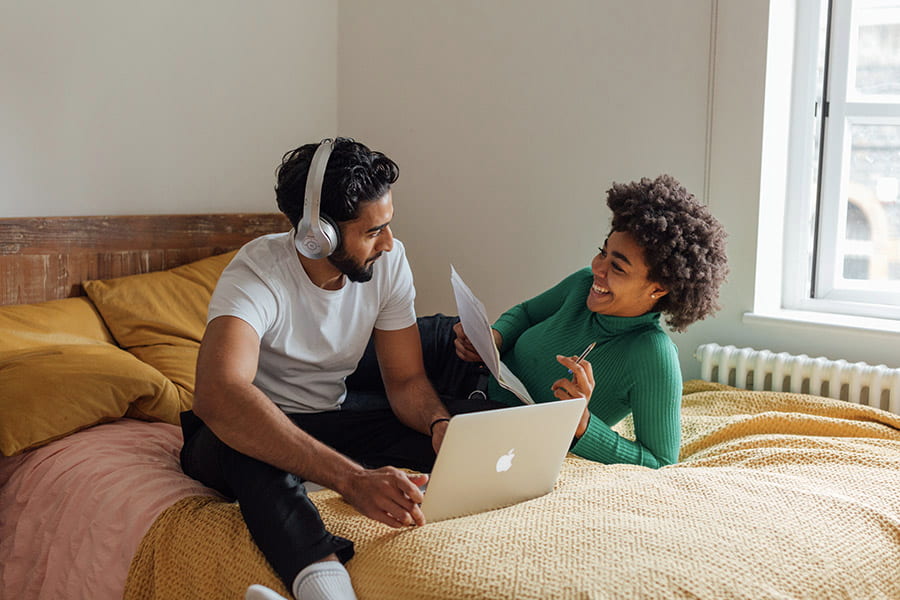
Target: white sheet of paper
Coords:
[[475, 322]]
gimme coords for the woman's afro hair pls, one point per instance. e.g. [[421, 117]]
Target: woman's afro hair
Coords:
[[684, 245]]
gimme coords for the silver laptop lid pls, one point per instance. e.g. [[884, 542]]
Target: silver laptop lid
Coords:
[[500, 457]]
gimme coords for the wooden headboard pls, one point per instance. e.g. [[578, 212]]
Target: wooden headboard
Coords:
[[46, 258]]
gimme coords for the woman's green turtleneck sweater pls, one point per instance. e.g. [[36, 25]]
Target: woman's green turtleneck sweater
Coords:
[[635, 368]]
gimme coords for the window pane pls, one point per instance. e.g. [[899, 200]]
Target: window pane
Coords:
[[878, 50], [856, 267], [872, 233]]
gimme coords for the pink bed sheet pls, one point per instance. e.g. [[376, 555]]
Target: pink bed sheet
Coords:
[[73, 513]]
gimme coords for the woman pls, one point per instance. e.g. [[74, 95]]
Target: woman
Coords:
[[665, 254]]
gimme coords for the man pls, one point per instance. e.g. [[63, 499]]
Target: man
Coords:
[[288, 322]]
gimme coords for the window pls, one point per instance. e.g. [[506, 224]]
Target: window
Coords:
[[844, 172]]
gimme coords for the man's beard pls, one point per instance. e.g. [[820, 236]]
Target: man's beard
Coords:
[[354, 271]]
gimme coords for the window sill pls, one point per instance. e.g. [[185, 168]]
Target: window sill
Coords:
[[819, 320]]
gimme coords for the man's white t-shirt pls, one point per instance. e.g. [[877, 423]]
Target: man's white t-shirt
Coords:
[[310, 339]]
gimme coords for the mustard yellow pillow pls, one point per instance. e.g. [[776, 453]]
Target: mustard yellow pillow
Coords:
[[68, 321], [165, 307], [160, 317], [54, 390], [175, 362]]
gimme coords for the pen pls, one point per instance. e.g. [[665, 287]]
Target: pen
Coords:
[[584, 354]]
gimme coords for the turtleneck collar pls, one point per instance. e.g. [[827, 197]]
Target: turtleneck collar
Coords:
[[611, 326]]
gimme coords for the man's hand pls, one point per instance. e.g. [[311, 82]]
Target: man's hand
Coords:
[[388, 495]]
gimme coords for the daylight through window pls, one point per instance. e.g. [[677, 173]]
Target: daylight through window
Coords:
[[847, 170]]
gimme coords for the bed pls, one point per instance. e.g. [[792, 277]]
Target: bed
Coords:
[[776, 495]]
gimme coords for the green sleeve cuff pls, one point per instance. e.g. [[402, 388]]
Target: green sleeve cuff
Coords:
[[600, 443], [595, 439]]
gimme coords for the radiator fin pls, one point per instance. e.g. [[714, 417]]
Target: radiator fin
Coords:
[[751, 369]]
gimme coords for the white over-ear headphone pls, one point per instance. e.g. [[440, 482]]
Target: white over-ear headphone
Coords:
[[317, 235]]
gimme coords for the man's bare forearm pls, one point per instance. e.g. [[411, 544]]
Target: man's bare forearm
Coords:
[[247, 421], [416, 403]]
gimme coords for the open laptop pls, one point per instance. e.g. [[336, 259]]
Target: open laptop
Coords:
[[500, 457]]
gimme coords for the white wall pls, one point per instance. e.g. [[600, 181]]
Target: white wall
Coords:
[[510, 119], [128, 107]]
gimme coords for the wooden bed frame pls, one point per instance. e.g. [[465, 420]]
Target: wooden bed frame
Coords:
[[47, 258]]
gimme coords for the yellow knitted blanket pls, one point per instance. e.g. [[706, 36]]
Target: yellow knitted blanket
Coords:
[[778, 495]]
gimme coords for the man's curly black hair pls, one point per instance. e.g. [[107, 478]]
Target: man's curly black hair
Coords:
[[684, 245], [354, 175]]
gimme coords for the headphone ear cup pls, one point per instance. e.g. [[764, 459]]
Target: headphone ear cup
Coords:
[[331, 232], [318, 242]]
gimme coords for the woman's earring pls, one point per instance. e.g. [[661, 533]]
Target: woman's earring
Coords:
[[653, 296]]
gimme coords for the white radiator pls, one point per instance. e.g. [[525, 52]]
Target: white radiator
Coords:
[[750, 369]]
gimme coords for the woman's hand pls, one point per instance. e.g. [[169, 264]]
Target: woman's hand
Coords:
[[582, 383], [583, 423], [464, 348], [580, 386]]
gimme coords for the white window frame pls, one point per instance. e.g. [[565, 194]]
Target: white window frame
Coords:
[[832, 294]]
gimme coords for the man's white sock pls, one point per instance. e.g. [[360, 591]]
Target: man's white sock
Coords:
[[326, 580], [261, 592]]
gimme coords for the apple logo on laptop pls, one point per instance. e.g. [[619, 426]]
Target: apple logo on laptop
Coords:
[[505, 461]]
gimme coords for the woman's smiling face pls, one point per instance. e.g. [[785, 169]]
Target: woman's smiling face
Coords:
[[621, 287]]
